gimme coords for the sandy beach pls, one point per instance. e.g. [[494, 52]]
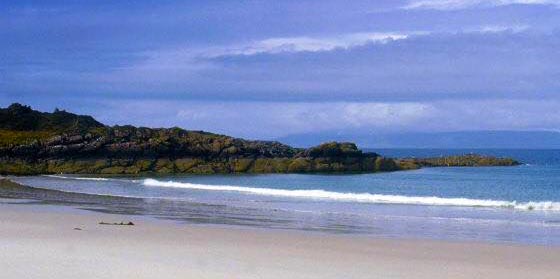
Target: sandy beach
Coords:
[[41, 241]]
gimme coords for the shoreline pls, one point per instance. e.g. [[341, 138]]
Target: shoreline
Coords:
[[38, 241], [206, 215]]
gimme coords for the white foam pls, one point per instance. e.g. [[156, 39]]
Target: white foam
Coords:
[[361, 197], [79, 178]]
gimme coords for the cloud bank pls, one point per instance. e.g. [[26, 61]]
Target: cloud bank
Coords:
[[269, 120], [489, 62], [466, 4]]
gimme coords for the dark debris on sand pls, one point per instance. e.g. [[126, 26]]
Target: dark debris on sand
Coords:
[[117, 224]]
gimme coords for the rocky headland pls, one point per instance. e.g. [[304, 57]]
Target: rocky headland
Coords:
[[33, 142]]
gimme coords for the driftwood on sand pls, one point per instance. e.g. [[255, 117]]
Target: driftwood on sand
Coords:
[[117, 224]]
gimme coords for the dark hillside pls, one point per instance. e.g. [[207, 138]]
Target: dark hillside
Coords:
[[18, 117]]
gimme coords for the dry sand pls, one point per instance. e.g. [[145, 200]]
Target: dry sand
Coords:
[[39, 241]]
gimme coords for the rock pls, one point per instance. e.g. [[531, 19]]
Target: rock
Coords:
[[61, 142]]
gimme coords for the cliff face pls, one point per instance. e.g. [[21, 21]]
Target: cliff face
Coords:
[[33, 142]]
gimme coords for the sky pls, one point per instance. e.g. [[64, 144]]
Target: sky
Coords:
[[271, 69]]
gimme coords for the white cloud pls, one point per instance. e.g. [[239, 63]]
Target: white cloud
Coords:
[[159, 68], [375, 114], [297, 44], [464, 4], [497, 28], [189, 59]]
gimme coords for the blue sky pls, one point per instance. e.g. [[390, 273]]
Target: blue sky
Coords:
[[267, 69]]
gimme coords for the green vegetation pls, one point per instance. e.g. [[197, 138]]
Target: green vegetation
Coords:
[[12, 137]]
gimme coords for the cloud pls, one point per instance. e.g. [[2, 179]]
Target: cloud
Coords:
[[269, 120], [495, 61], [185, 63], [478, 63], [277, 45], [272, 119], [488, 61], [465, 4], [310, 44], [261, 119], [497, 28]]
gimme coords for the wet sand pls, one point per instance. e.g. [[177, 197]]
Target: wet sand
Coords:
[[40, 241]]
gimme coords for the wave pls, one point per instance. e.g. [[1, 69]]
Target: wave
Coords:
[[79, 178], [361, 197]]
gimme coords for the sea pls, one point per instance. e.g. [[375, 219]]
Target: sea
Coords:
[[514, 205]]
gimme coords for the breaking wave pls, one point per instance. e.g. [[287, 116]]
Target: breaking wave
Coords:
[[79, 178], [362, 197]]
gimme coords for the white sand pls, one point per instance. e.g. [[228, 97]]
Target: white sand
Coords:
[[39, 242]]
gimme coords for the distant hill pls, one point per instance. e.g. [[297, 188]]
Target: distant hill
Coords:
[[466, 139]]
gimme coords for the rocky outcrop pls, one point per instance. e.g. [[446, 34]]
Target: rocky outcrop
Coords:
[[467, 160], [33, 142], [179, 151]]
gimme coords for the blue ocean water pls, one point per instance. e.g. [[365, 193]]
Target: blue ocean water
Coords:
[[493, 204]]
